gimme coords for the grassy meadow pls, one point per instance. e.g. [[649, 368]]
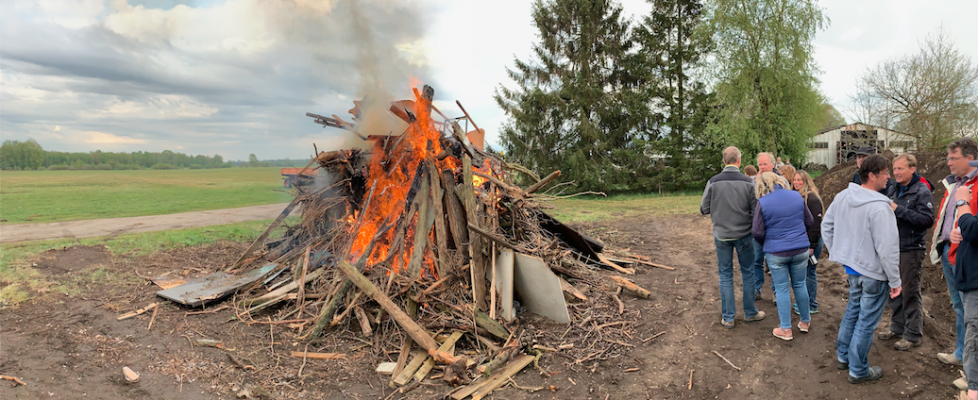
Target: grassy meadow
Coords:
[[52, 196]]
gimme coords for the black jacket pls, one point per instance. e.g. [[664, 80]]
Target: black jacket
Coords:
[[914, 212], [966, 261], [815, 231]]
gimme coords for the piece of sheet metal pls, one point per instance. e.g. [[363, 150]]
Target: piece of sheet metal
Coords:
[[212, 287]]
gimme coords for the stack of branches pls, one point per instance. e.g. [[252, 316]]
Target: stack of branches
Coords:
[[422, 280]]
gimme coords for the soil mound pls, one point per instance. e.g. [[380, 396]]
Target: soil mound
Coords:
[[72, 259], [932, 166]]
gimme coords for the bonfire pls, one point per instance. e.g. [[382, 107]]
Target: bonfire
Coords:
[[423, 243]]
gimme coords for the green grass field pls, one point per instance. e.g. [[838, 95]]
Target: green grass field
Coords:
[[626, 206], [50, 196]]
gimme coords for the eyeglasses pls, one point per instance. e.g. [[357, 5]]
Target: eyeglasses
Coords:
[[953, 159]]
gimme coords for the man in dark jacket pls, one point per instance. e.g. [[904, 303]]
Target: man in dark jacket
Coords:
[[913, 205], [965, 235], [729, 200], [861, 155]]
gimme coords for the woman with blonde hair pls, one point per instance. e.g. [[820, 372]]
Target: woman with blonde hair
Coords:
[[781, 222], [805, 185], [788, 172]]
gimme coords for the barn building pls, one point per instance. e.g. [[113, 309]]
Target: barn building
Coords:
[[838, 144]]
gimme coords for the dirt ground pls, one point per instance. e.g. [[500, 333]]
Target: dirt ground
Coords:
[[72, 347], [148, 223]]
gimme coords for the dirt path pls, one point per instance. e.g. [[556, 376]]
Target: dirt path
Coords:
[[115, 226], [68, 346]]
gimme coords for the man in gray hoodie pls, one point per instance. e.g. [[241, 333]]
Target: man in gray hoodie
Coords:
[[860, 232]]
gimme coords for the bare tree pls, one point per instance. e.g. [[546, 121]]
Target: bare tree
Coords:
[[932, 95]]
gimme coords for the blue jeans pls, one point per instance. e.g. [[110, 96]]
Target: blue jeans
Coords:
[[956, 304], [867, 296], [811, 280], [745, 255], [758, 266], [790, 270]]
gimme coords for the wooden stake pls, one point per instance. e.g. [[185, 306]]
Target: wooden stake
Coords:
[[466, 193], [412, 328], [492, 285]]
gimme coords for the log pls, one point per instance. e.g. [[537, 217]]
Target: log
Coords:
[[513, 191], [264, 235], [543, 182], [631, 287], [319, 356], [441, 231], [616, 267], [425, 220], [407, 323]]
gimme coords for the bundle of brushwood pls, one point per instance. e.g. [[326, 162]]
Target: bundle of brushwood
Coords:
[[421, 240]]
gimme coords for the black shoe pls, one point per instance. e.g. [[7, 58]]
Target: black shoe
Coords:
[[841, 365], [875, 373]]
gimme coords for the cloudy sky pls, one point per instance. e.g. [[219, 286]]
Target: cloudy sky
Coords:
[[234, 77]]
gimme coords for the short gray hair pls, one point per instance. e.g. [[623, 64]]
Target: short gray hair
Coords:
[[731, 155], [770, 157]]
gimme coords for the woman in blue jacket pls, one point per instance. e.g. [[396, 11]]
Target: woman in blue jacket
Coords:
[[781, 222]]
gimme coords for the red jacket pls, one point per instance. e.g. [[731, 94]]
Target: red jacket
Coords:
[[935, 256]]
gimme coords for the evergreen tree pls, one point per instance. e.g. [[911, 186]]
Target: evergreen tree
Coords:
[[672, 46], [576, 107], [766, 90]]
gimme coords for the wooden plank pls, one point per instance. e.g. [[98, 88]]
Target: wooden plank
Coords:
[[495, 380], [407, 323], [567, 287], [408, 372], [441, 231], [448, 347], [425, 220], [478, 265]]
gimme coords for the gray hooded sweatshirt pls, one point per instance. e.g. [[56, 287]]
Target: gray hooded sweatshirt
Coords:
[[860, 231]]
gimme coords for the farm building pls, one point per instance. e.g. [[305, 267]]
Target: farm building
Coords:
[[839, 144]]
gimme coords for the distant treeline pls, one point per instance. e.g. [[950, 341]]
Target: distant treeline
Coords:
[[29, 155], [253, 161]]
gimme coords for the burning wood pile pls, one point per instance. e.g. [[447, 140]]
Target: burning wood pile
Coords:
[[424, 242]]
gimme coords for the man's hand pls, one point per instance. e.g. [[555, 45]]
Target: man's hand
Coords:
[[893, 205], [963, 193], [894, 292], [811, 251], [956, 236]]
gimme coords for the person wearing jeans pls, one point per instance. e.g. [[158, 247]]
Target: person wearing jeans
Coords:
[[765, 163], [729, 201], [965, 236], [781, 221], [860, 232], [805, 186], [959, 153]]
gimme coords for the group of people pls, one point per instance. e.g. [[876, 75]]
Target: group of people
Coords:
[[875, 229]]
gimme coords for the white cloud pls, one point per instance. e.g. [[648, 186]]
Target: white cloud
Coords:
[[157, 107], [108, 138]]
